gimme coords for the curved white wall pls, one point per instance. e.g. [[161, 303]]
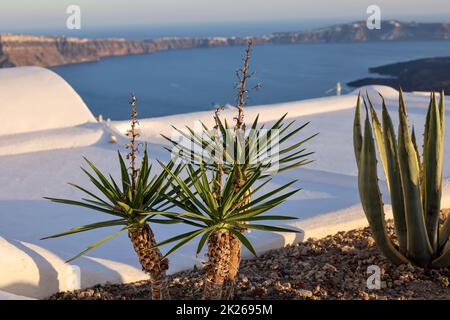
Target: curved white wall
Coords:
[[34, 99]]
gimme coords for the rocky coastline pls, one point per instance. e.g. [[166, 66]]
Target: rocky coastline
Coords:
[[48, 51], [431, 74]]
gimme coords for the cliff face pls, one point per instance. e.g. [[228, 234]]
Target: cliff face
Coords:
[[22, 50], [4, 62], [358, 31]]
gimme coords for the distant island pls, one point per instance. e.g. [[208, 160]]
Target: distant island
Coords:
[[431, 74], [47, 51]]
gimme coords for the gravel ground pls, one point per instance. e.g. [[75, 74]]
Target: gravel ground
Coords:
[[334, 267]]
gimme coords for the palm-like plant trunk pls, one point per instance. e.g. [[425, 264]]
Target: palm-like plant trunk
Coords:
[[217, 266], [235, 259], [150, 257]]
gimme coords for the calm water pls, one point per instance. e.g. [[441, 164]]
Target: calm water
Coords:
[[183, 81]]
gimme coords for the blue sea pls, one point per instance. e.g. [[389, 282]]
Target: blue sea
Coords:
[[182, 81]]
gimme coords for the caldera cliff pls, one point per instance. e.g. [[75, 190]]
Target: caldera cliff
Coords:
[[47, 51]]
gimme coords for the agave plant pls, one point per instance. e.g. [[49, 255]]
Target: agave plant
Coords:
[[134, 203], [217, 212], [415, 184]]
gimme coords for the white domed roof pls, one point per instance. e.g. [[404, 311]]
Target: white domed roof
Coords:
[[35, 99]]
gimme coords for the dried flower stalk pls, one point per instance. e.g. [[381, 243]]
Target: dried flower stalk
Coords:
[[133, 146], [243, 75]]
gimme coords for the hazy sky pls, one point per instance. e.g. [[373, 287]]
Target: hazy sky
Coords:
[[51, 13]]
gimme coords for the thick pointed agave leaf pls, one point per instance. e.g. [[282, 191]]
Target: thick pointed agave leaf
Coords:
[[379, 137], [394, 178], [368, 187], [357, 131], [212, 213], [387, 149], [432, 171], [419, 248], [150, 199]]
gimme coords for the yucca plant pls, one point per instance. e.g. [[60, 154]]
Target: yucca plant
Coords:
[[134, 203], [415, 184], [240, 151], [217, 212]]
